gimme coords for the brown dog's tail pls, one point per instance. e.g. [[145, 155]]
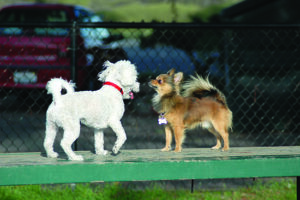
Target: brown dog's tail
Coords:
[[199, 87]]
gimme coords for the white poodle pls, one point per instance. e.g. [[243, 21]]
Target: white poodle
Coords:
[[97, 109]]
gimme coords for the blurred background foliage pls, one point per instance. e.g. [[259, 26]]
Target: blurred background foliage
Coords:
[[147, 10]]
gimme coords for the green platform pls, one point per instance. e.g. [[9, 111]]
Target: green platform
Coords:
[[139, 165]]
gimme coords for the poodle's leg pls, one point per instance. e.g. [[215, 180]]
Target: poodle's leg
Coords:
[[50, 135], [70, 135], [121, 135], [99, 142]]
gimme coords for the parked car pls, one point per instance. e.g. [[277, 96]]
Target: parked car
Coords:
[[30, 56]]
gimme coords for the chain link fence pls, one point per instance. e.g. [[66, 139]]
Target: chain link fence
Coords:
[[257, 68]]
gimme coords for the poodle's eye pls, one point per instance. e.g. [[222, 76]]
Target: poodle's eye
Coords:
[[159, 81]]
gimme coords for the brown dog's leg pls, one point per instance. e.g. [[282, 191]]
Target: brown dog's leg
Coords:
[[225, 137], [179, 136], [218, 137], [222, 130], [168, 132]]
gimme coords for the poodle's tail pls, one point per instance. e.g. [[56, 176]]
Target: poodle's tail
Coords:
[[55, 87], [199, 87]]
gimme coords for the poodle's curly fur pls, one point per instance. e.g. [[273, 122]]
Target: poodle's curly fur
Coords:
[[97, 109]]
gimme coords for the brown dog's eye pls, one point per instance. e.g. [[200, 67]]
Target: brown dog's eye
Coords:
[[159, 81]]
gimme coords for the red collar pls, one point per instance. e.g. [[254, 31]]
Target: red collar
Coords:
[[114, 85]]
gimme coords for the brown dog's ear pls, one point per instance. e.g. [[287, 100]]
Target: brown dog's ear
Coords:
[[171, 72], [178, 78]]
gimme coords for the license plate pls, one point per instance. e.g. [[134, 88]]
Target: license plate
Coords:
[[25, 77]]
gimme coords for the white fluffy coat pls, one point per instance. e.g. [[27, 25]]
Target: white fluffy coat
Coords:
[[97, 109]]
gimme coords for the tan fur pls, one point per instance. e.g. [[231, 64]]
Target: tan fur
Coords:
[[191, 109], [198, 83]]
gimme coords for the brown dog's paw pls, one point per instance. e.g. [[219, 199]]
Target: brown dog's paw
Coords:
[[165, 149], [177, 150], [225, 149], [216, 147]]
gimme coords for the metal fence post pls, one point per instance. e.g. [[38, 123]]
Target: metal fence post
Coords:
[[225, 61], [73, 61], [73, 53]]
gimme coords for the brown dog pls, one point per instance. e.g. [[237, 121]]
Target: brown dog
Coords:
[[201, 104]]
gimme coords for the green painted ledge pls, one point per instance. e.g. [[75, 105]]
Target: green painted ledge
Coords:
[[151, 164]]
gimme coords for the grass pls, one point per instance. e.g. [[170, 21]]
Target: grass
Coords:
[[149, 12], [137, 10], [284, 189]]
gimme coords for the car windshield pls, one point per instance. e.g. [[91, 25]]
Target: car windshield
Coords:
[[33, 15], [93, 37]]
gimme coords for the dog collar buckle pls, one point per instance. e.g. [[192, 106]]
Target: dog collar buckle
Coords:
[[115, 86]]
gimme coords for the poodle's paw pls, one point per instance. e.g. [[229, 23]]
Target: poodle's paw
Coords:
[[76, 157], [115, 154], [115, 150], [52, 155], [102, 152]]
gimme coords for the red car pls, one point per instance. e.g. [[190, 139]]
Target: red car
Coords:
[[31, 56]]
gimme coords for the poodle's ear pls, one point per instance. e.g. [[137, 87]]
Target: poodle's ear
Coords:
[[171, 72], [178, 78], [107, 69]]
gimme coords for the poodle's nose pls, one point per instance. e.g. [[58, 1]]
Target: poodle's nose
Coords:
[[136, 87]]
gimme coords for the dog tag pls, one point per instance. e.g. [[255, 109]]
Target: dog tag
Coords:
[[162, 120]]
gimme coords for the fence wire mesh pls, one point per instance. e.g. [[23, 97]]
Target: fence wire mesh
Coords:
[[257, 67]]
